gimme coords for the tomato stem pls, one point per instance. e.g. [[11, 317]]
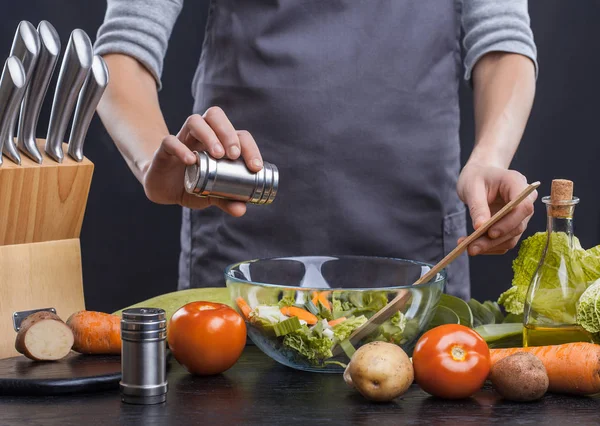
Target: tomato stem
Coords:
[[458, 353]]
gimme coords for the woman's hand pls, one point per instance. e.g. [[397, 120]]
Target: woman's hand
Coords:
[[486, 189], [211, 132]]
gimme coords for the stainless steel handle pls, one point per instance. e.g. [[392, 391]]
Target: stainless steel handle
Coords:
[[73, 71], [88, 100], [26, 47], [36, 90], [12, 87]]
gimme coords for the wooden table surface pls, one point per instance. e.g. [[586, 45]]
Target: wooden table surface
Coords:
[[259, 391]]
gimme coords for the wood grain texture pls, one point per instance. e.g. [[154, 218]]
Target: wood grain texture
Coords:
[[43, 202], [257, 391], [38, 275]]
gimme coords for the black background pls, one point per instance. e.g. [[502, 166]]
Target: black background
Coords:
[[130, 246]]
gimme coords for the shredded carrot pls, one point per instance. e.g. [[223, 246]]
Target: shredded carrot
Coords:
[[573, 368], [292, 311], [321, 297], [244, 307], [336, 321]]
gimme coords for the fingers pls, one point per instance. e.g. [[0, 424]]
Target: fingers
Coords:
[[196, 133], [514, 183], [487, 245], [476, 198], [250, 151], [217, 120], [171, 148], [213, 132], [505, 246], [234, 208]]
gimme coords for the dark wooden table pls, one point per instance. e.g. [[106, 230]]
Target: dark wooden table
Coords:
[[259, 391]]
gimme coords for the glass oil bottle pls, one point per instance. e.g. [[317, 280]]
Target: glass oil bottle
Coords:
[[550, 307]]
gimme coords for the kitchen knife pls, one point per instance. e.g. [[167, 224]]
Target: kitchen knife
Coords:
[[13, 83], [26, 47], [36, 90], [88, 100], [73, 71]]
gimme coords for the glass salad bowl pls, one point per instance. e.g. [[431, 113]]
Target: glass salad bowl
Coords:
[[297, 309]]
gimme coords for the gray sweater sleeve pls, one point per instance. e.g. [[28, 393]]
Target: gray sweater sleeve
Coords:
[[140, 29], [496, 25]]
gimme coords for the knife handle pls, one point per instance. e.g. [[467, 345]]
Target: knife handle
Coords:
[[12, 87], [88, 100], [73, 71], [26, 47], [37, 89]]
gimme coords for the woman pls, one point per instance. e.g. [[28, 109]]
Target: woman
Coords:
[[356, 102]]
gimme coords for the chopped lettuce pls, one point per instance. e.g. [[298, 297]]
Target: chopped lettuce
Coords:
[[287, 301], [393, 330], [358, 303], [314, 346], [267, 314], [315, 343], [344, 329], [563, 281]]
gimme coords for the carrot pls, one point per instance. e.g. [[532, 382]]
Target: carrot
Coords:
[[573, 368], [95, 332], [244, 307], [336, 321], [321, 297], [292, 311]]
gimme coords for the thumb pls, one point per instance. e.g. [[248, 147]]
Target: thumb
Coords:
[[476, 199]]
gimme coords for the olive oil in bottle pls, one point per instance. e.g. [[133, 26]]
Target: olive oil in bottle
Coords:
[[550, 307]]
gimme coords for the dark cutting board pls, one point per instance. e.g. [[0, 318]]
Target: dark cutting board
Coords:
[[75, 373]]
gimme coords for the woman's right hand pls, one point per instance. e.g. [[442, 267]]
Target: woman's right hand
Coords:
[[211, 132]]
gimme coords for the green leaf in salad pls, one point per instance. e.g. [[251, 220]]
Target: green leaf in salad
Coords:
[[323, 312], [393, 330], [344, 329], [286, 301], [460, 308], [309, 345], [358, 303]]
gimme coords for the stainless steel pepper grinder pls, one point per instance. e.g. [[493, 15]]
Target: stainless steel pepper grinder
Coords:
[[231, 180], [143, 356]]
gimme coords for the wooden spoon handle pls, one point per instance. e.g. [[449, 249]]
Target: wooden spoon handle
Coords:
[[398, 302], [459, 249]]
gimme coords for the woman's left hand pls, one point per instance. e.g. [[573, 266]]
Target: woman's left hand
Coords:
[[485, 189]]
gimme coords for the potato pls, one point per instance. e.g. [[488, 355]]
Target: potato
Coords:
[[380, 371], [43, 336], [520, 377]]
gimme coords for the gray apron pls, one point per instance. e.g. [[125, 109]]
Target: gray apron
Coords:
[[356, 102]]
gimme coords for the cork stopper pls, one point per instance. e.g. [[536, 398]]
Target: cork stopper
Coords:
[[562, 190]]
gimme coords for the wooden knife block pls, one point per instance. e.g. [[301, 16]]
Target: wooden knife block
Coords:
[[41, 213]]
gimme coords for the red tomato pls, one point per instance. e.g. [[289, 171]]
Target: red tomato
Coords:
[[206, 338], [451, 361]]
